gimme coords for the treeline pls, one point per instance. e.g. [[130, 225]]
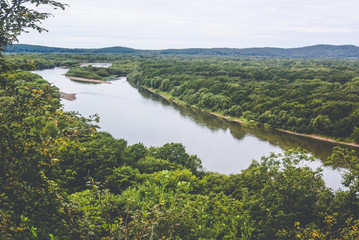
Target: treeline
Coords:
[[39, 61], [46, 61], [305, 96]]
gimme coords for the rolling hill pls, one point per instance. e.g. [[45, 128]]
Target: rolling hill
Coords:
[[316, 51]]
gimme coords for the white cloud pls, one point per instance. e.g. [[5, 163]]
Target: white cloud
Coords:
[[201, 23]]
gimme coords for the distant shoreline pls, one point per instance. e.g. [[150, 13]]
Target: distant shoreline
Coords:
[[278, 129]]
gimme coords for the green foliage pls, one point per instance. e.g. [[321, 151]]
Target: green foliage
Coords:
[[61, 179], [355, 134], [32, 129], [65, 63], [17, 15], [176, 153], [89, 72], [307, 96], [38, 61], [282, 192], [151, 164], [346, 158], [122, 178]]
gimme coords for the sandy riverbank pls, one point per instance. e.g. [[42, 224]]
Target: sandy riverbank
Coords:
[[281, 130], [72, 96], [68, 96], [320, 138], [87, 80]]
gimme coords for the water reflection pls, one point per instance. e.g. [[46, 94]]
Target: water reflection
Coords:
[[319, 149]]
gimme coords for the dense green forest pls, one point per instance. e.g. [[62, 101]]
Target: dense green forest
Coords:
[[61, 179], [309, 96], [305, 96]]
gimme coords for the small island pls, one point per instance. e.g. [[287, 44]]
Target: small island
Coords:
[[90, 72], [94, 74]]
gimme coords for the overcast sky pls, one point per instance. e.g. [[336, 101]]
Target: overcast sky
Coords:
[[162, 24]]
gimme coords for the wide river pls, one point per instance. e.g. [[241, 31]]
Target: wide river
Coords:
[[139, 116]]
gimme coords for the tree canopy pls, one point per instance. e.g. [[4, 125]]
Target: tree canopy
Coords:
[[18, 15], [307, 96]]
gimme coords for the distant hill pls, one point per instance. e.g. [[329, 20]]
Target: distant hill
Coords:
[[317, 51], [26, 48]]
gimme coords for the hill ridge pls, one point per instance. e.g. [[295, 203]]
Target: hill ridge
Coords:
[[314, 51]]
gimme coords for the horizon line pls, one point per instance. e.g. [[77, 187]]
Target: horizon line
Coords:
[[89, 48]]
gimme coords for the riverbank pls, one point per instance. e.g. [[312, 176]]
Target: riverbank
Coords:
[[87, 80], [68, 96], [319, 138]]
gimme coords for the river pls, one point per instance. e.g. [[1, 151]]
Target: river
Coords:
[[139, 116]]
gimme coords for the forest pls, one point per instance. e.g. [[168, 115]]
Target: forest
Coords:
[[61, 178], [309, 96]]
